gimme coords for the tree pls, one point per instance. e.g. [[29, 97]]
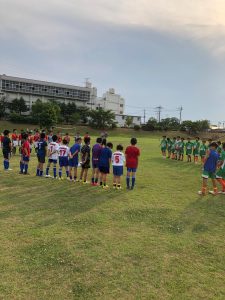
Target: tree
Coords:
[[67, 110], [3, 107], [45, 114], [84, 113], [102, 119], [75, 118], [129, 121], [151, 124], [18, 106], [169, 124]]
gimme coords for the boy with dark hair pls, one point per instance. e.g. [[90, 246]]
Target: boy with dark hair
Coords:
[[96, 151], [132, 154], [85, 159], [209, 170], [53, 152], [74, 159], [6, 149], [163, 145], [188, 147], [220, 174], [63, 158], [118, 159], [25, 155], [41, 153], [104, 164]]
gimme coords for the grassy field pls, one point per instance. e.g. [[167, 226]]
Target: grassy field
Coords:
[[60, 240]]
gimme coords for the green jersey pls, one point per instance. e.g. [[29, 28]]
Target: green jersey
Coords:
[[219, 149], [169, 145], [196, 146], [163, 144], [188, 147], [221, 172], [202, 150]]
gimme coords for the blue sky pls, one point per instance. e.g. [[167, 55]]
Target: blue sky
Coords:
[[168, 53]]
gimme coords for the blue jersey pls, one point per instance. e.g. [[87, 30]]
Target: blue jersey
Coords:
[[211, 162], [41, 146], [75, 148], [105, 155]]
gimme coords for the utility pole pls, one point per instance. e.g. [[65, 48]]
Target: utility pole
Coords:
[[144, 116], [180, 109], [159, 110]]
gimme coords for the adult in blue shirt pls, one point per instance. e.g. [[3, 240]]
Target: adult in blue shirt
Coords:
[[41, 154], [74, 159]]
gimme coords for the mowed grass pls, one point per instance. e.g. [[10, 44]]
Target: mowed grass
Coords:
[[60, 240]]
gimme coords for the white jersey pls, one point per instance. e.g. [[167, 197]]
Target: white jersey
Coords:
[[118, 158], [64, 151], [53, 148]]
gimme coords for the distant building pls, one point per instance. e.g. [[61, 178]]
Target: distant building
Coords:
[[121, 120], [31, 90]]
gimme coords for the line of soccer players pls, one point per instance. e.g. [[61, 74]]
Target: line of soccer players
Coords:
[[177, 147], [57, 152]]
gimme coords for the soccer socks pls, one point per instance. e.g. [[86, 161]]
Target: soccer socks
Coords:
[[41, 173], [96, 180], [128, 181], [54, 172], [47, 171], [60, 173], [67, 173], [6, 164], [25, 168], [38, 172], [133, 181], [21, 166], [92, 180]]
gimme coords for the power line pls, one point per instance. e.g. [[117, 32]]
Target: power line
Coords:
[[159, 111]]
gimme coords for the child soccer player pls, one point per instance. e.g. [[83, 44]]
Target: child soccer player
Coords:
[[209, 170], [173, 148], [163, 145], [177, 148], [85, 159], [104, 164], [220, 174], [118, 159], [169, 147], [189, 147], [202, 151], [25, 155], [14, 141], [132, 154], [53, 152], [63, 158], [219, 149], [6, 149], [181, 149], [41, 153], [196, 146], [74, 159], [96, 151]]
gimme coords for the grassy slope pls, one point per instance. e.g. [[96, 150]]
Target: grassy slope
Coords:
[[68, 241]]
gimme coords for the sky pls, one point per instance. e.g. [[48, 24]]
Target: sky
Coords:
[[166, 52]]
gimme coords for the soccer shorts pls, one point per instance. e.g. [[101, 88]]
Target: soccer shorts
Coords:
[[15, 143], [104, 170], [86, 165], [220, 173], [41, 159], [73, 163], [63, 162], [133, 170], [163, 149], [54, 161], [95, 165], [207, 174], [6, 154], [26, 158], [117, 170]]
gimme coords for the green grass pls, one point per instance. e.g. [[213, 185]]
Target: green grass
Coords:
[[69, 241]]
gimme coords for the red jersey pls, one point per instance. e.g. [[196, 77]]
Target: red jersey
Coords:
[[30, 139], [14, 137], [59, 140], [26, 145], [36, 137], [132, 154]]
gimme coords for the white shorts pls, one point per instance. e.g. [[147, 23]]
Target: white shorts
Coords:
[[15, 143]]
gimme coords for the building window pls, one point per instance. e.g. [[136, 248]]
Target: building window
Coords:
[[121, 105]]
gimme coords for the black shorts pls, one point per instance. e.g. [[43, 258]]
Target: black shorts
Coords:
[[86, 165], [104, 170], [6, 154], [41, 159]]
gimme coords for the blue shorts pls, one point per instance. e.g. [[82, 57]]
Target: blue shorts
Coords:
[[117, 170], [54, 161], [26, 158], [95, 165], [63, 162], [133, 170], [73, 163], [104, 170]]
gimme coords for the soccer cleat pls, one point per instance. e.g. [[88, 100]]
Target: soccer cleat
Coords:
[[47, 176], [105, 187], [20, 172], [213, 193], [86, 182], [119, 188], [201, 193]]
